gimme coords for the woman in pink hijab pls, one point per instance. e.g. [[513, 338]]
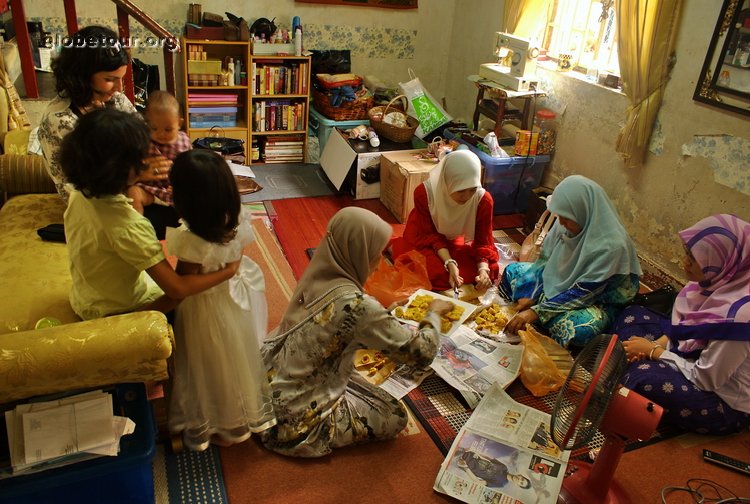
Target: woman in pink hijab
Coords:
[[697, 366]]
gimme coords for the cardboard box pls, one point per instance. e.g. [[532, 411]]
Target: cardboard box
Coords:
[[400, 174], [355, 165]]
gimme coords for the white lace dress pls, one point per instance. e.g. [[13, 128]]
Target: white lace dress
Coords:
[[220, 386]]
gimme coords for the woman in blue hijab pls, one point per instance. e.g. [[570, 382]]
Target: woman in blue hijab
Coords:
[[587, 272]]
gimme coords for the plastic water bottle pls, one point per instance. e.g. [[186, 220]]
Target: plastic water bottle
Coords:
[[298, 41]]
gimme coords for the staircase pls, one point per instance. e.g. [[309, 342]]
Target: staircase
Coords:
[[125, 10]]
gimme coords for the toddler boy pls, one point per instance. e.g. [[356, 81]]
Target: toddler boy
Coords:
[[163, 117]]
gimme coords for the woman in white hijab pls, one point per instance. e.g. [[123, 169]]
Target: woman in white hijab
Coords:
[[587, 272], [320, 400], [451, 225]]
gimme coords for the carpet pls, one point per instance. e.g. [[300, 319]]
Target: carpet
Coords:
[[442, 412], [281, 181], [287, 216], [188, 477]]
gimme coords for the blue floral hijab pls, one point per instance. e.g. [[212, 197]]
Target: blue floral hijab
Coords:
[[601, 250]]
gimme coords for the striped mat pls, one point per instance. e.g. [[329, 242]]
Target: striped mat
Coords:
[[188, 477]]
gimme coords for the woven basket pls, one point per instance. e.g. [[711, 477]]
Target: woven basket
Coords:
[[347, 111], [396, 134]]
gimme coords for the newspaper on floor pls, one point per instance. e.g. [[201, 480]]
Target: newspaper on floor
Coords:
[[396, 379], [503, 454], [471, 363]]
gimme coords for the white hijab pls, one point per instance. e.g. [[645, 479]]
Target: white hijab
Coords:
[[457, 171]]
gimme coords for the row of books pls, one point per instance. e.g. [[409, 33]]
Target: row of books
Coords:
[[273, 79], [212, 109], [283, 149], [278, 115]]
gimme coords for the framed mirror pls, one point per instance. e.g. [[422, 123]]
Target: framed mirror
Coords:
[[725, 77]]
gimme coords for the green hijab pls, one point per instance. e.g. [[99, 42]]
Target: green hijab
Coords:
[[601, 250]]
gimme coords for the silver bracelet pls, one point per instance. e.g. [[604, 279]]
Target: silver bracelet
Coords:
[[449, 261]]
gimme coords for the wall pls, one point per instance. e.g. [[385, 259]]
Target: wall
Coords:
[[699, 159], [384, 43], [698, 164]]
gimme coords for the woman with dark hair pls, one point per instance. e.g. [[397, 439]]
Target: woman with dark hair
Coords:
[[116, 262]]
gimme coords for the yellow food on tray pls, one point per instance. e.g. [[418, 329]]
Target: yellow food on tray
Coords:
[[417, 309], [492, 319]]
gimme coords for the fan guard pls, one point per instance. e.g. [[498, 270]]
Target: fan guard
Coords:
[[582, 400]]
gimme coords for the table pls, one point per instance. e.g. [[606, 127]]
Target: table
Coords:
[[497, 109]]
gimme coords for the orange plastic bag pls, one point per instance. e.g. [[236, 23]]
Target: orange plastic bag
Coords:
[[391, 283], [545, 364]]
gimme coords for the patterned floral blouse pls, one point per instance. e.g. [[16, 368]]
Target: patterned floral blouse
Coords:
[[57, 121], [310, 365]]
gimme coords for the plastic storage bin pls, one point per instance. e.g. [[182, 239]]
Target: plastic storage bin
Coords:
[[126, 478], [322, 126], [509, 180]]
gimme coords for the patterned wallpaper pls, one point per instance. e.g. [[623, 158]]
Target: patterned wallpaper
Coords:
[[364, 42]]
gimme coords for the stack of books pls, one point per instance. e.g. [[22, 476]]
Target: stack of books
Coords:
[[278, 115], [43, 435], [284, 149], [206, 110]]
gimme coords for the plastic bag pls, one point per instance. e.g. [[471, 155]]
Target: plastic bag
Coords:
[[391, 283], [423, 106], [531, 248], [545, 364]]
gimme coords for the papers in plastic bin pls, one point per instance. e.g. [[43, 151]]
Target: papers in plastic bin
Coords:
[[54, 433], [241, 170]]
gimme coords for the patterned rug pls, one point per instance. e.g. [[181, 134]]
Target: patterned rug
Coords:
[[442, 412], [189, 477]]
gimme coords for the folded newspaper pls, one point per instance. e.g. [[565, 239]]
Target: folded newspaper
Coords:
[[503, 454], [471, 363]]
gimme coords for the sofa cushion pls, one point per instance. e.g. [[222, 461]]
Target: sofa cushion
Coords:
[[35, 273]]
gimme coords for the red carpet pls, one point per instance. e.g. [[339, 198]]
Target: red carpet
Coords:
[[300, 223]]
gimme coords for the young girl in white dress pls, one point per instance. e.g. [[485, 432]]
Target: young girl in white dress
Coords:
[[220, 392]]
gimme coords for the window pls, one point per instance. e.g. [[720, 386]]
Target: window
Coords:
[[585, 29]]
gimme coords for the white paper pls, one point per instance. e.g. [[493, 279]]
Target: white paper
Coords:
[[241, 170], [471, 364], [502, 432], [67, 429]]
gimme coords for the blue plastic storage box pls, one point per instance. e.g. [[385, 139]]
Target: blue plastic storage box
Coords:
[[509, 180], [321, 126], [126, 478]]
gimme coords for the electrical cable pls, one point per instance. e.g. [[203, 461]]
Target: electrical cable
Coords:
[[697, 492]]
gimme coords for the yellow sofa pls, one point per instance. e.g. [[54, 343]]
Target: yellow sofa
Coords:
[[35, 284]]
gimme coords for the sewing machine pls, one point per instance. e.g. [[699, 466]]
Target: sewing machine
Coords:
[[516, 66]]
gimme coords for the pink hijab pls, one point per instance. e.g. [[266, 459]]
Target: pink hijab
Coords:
[[720, 244]]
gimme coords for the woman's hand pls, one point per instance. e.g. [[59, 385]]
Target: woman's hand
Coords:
[[637, 348], [440, 306], [520, 319], [157, 171], [397, 303], [483, 280], [454, 278], [524, 303]]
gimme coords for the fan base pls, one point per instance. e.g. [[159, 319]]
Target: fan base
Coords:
[[577, 489]]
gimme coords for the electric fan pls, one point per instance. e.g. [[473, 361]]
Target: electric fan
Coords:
[[592, 399]]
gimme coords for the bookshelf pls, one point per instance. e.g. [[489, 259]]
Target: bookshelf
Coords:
[[278, 109], [209, 104]]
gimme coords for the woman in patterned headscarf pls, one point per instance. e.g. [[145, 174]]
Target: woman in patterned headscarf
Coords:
[[320, 400], [697, 366], [451, 225], [587, 272]]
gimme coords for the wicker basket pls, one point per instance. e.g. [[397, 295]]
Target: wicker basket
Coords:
[[394, 133], [346, 111]]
